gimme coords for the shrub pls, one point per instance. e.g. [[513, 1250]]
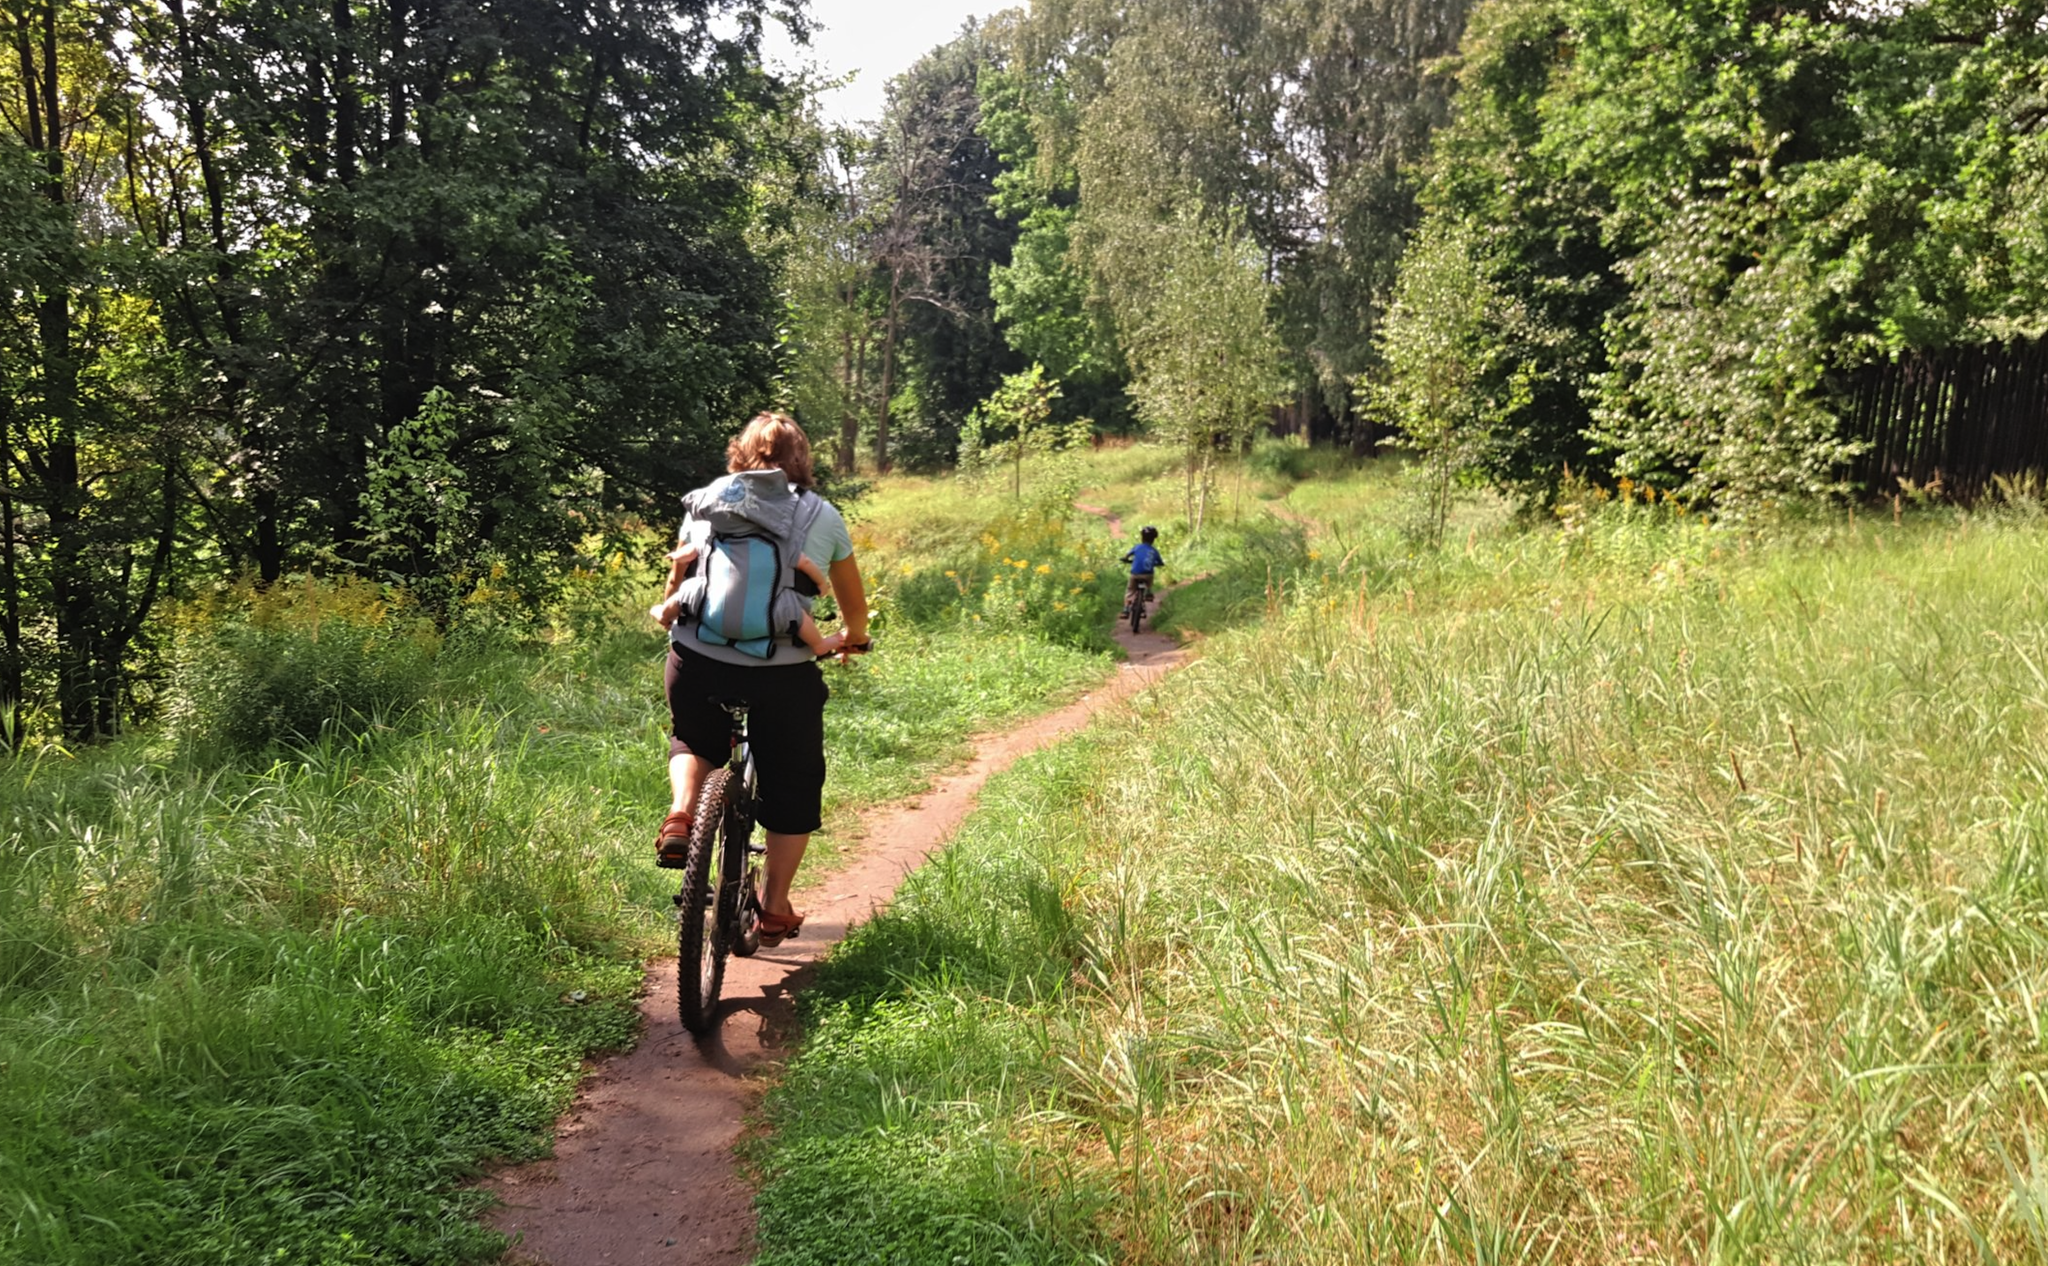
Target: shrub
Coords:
[[1040, 577], [1278, 458], [258, 667], [1027, 574], [609, 595]]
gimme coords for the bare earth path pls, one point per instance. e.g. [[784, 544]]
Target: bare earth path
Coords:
[[643, 1166], [1116, 523]]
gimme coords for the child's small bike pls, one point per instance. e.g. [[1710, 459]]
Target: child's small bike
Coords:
[[1141, 593], [718, 911]]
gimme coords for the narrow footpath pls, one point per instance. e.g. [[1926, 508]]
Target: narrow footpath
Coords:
[[643, 1170]]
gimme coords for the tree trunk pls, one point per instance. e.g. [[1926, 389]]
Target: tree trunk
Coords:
[[228, 298], [71, 591], [345, 125], [12, 660], [849, 420], [888, 371]]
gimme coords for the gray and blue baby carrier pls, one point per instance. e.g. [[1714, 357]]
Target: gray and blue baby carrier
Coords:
[[741, 592]]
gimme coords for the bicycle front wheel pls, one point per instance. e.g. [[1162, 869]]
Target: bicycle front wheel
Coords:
[[700, 942]]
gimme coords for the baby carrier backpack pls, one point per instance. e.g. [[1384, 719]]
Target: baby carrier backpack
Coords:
[[741, 591]]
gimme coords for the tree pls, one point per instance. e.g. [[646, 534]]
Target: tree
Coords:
[[92, 420], [1206, 361], [1015, 422], [1296, 118], [937, 235], [1700, 215], [831, 296], [256, 251], [1041, 295], [1445, 386], [543, 215], [1501, 209]]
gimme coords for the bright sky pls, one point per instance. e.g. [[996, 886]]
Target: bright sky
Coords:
[[877, 38]]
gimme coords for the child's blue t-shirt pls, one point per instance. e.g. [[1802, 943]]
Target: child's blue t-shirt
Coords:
[[1144, 559]]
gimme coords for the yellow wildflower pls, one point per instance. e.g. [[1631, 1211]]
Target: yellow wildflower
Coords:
[[1314, 554], [1045, 569], [1021, 564], [1076, 589], [952, 575], [1087, 576], [1059, 606]]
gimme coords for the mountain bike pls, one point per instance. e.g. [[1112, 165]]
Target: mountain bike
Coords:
[[1141, 593], [718, 911]]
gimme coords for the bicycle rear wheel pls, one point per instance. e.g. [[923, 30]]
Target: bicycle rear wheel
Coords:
[[701, 917], [1138, 606]]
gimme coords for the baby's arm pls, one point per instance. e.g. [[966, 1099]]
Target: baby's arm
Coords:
[[679, 560], [820, 644]]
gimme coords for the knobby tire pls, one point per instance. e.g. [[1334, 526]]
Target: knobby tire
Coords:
[[700, 947], [1138, 609]]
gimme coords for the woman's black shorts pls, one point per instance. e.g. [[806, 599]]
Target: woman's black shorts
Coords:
[[786, 726]]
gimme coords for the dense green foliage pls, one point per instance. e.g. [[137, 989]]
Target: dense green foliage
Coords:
[[364, 286], [1052, 186], [894, 334], [1288, 123], [1626, 890], [1692, 215], [1682, 227]]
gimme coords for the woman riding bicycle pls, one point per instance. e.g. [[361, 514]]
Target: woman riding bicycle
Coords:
[[786, 689]]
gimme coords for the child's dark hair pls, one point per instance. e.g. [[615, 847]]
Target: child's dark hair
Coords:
[[1148, 534]]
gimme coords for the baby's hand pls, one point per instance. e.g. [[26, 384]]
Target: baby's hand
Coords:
[[833, 643], [662, 613]]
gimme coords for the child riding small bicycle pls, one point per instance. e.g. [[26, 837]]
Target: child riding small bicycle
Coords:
[[1145, 559]]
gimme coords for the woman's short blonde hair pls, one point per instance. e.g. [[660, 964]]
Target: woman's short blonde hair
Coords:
[[771, 441]]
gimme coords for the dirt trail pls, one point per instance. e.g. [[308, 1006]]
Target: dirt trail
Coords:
[[1115, 521], [643, 1167]]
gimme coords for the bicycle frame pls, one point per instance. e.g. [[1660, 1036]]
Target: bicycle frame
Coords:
[[739, 894]]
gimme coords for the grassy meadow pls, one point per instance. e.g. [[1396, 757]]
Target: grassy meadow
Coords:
[[278, 975], [1623, 888]]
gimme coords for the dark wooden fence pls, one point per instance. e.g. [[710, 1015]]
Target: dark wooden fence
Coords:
[[1958, 416]]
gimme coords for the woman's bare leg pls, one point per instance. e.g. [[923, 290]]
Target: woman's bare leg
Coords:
[[785, 854], [686, 775]]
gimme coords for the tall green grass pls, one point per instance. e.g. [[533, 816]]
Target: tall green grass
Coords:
[[1624, 890]]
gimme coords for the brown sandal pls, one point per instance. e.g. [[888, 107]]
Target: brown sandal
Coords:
[[672, 842], [777, 928]]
